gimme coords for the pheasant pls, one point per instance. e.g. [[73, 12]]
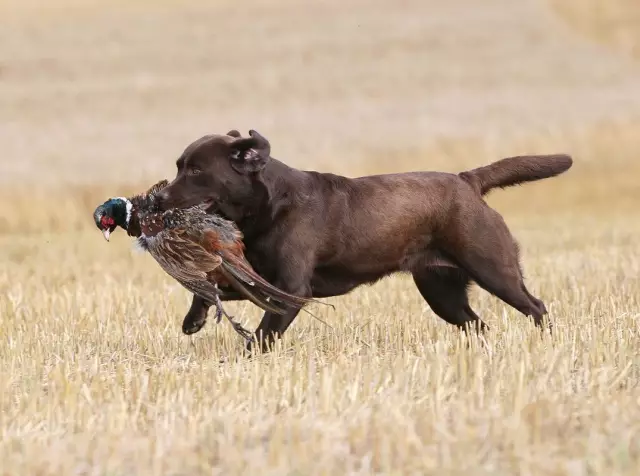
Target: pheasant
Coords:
[[200, 250]]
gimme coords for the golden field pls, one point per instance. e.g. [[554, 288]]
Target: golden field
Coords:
[[99, 98]]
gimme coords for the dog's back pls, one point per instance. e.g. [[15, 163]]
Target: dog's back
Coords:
[[375, 225]]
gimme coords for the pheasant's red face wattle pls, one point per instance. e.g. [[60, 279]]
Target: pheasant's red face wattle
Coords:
[[107, 222]]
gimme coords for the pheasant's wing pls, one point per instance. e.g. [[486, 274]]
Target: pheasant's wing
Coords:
[[184, 259], [207, 243], [241, 274]]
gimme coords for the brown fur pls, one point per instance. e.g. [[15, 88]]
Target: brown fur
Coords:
[[320, 234]]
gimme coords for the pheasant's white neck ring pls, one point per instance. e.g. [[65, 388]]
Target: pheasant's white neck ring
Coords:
[[129, 206]]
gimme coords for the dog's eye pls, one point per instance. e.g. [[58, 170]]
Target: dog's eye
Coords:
[[194, 171]]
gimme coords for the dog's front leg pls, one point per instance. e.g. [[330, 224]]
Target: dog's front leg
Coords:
[[196, 317], [273, 325]]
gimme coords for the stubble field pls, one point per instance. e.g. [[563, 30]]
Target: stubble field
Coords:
[[98, 99]]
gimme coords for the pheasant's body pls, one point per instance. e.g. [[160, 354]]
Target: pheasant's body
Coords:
[[201, 252]]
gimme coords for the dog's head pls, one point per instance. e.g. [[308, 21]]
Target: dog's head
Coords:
[[219, 171]]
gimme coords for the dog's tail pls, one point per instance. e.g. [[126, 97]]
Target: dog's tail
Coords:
[[516, 170]]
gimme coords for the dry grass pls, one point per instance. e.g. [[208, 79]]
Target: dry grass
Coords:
[[98, 98]]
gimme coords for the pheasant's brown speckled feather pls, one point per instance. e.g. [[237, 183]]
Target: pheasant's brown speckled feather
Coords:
[[185, 260], [201, 251], [195, 256], [157, 187], [146, 202], [187, 256], [143, 203], [215, 236]]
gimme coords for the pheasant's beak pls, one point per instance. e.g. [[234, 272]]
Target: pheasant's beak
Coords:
[[106, 232]]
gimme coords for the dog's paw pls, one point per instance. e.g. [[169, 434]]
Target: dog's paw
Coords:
[[190, 326]]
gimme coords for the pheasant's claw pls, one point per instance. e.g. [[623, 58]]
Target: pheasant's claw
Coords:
[[218, 315], [246, 335], [219, 310]]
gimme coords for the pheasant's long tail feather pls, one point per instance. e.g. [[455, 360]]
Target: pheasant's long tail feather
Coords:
[[255, 298], [243, 272], [260, 302]]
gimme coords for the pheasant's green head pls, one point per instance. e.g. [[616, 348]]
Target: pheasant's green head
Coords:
[[115, 212]]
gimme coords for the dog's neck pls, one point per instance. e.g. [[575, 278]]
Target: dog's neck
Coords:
[[274, 189]]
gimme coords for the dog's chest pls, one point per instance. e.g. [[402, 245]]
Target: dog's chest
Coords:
[[263, 258]]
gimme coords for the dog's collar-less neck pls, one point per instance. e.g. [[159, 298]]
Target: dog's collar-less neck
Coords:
[[260, 216], [271, 195]]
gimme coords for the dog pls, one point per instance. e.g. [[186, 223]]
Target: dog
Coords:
[[318, 234]]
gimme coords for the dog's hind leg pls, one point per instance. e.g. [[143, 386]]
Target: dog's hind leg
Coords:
[[445, 290], [488, 252], [509, 289]]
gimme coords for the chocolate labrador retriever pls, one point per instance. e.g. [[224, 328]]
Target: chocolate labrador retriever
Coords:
[[318, 234]]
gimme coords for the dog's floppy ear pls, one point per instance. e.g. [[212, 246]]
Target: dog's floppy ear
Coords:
[[250, 154], [234, 133]]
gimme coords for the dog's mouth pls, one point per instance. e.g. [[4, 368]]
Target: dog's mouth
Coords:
[[209, 205]]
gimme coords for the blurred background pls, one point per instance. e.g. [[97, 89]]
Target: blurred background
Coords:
[[101, 97]]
